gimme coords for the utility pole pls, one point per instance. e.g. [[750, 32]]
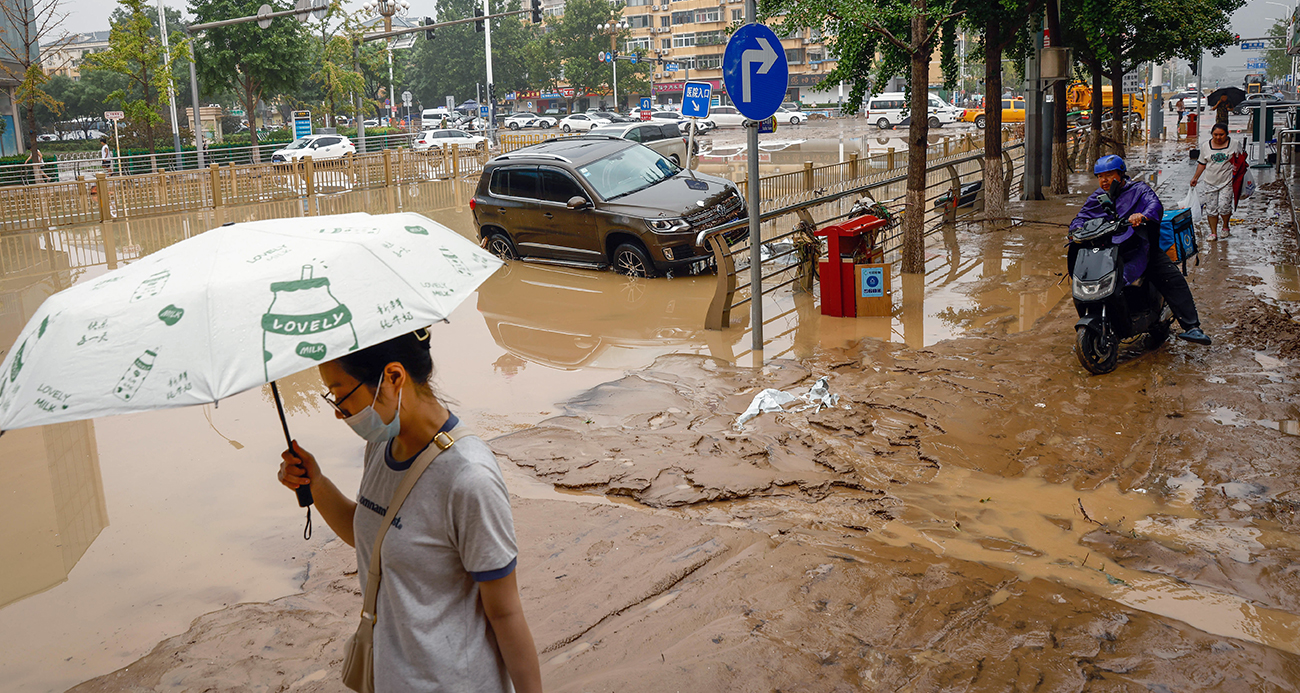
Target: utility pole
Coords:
[[171, 90], [752, 183], [487, 46]]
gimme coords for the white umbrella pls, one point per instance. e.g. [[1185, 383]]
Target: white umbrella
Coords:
[[232, 309]]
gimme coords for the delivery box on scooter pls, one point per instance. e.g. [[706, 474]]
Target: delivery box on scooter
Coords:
[[1178, 235]]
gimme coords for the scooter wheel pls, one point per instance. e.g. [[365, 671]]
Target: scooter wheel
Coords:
[[1096, 353]]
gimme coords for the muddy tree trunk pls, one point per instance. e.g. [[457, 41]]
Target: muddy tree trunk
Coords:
[[1060, 128], [917, 134], [1117, 130], [995, 184]]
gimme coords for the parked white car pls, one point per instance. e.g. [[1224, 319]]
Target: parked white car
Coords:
[[785, 115], [444, 139], [889, 109], [524, 119], [318, 147], [663, 137], [725, 116], [581, 122]]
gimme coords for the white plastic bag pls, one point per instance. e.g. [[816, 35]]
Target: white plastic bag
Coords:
[[1247, 186], [1192, 201]]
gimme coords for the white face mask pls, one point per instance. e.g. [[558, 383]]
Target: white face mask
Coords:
[[369, 425]]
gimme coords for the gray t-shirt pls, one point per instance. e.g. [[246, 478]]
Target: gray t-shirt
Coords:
[[454, 530]]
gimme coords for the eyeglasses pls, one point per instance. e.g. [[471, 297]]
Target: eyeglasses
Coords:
[[338, 404]]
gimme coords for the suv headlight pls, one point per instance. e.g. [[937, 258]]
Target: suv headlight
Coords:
[[667, 225], [1093, 290]]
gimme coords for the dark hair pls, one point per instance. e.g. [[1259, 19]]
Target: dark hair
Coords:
[[1219, 126], [411, 350]]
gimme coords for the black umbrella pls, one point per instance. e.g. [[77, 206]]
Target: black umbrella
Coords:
[[1234, 95]]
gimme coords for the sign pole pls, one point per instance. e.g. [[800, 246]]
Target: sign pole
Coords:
[[118, 143], [690, 143], [755, 222]]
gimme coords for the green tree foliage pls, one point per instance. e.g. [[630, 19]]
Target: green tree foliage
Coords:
[[577, 43], [29, 25], [135, 54], [454, 62], [176, 24], [876, 41], [256, 64], [1279, 63]]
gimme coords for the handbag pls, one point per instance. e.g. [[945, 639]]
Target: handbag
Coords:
[[359, 660]]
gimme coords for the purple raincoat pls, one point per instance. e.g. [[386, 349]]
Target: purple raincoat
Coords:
[[1135, 197]]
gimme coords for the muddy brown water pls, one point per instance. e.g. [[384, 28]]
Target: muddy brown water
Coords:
[[127, 528]]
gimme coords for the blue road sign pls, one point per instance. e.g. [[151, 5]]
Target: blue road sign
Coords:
[[645, 103], [632, 59], [301, 123], [483, 111], [873, 282], [767, 126], [696, 99], [755, 71], [670, 67]]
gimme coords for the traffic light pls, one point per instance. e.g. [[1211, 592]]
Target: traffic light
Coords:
[[1236, 39], [428, 33], [478, 12], [537, 11], [1193, 67]]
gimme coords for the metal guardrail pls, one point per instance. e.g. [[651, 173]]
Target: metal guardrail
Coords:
[[104, 198], [945, 176]]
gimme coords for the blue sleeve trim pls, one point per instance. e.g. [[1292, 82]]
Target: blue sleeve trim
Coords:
[[490, 575]]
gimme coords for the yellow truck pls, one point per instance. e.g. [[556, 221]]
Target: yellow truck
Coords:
[[1079, 98]]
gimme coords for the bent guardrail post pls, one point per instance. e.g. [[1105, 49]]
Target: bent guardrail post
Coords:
[[719, 316]]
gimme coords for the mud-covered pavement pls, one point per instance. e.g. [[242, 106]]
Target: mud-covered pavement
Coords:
[[974, 515]]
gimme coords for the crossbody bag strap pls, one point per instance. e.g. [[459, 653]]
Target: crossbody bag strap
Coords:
[[442, 441]]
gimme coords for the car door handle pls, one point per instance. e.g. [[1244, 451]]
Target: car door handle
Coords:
[[501, 209], [548, 215]]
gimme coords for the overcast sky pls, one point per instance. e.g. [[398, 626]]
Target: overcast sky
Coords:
[[1251, 20]]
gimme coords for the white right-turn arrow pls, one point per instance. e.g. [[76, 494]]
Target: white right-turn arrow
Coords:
[[765, 56]]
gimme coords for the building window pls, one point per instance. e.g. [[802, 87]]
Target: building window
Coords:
[[708, 62], [665, 21], [710, 38], [685, 63], [684, 17], [815, 57], [794, 56], [639, 21], [683, 40], [637, 44], [712, 14], [637, 3], [666, 44], [737, 15]]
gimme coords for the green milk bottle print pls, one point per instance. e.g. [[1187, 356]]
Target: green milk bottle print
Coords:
[[133, 378], [304, 325]]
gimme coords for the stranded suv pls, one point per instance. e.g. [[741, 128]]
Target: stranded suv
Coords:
[[601, 201]]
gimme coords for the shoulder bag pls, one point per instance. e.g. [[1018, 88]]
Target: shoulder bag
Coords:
[[359, 663]]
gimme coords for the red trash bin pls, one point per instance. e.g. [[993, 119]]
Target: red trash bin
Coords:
[[1191, 126], [844, 242]]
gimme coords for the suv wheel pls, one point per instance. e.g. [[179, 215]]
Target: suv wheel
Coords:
[[500, 245], [980, 121], [632, 260], [934, 122], [883, 123], [676, 160]]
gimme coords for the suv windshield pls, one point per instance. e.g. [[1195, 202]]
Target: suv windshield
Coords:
[[298, 143], [627, 171]]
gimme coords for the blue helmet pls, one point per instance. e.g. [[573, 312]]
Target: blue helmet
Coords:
[[1110, 162]]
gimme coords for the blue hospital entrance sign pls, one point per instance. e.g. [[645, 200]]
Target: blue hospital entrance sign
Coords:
[[696, 97], [873, 282], [755, 72]]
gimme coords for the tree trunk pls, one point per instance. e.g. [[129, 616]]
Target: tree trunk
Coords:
[[917, 134], [1117, 128], [1094, 121], [995, 184], [1060, 127]]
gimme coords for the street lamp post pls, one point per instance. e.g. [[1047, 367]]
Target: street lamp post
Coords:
[[386, 9], [613, 29]]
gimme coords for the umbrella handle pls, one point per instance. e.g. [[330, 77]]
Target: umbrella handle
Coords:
[[304, 492]]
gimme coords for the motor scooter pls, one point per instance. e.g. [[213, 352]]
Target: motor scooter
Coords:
[[1109, 311]]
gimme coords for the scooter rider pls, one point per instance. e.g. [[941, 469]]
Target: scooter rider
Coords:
[[1137, 202]]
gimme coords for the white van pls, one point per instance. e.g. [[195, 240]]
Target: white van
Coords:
[[890, 108], [438, 113]]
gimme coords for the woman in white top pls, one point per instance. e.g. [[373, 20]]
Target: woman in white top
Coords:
[[449, 614], [1214, 169]]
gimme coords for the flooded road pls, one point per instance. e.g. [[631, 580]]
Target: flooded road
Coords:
[[972, 482]]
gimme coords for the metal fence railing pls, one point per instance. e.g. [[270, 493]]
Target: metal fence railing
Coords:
[[945, 178], [105, 197]]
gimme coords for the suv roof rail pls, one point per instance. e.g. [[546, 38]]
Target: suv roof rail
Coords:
[[588, 135], [538, 155]]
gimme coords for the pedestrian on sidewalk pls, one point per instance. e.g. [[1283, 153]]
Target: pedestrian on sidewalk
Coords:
[[1221, 110], [36, 159], [1214, 173], [448, 615], [105, 156], [1181, 107]]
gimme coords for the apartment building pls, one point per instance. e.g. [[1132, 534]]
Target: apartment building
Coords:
[[690, 35], [64, 56]]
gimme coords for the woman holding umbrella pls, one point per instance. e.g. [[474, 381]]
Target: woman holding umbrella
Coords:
[[448, 615]]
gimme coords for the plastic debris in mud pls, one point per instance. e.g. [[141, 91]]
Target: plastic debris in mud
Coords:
[[770, 401]]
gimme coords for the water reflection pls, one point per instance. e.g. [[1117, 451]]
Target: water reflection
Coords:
[[55, 504]]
